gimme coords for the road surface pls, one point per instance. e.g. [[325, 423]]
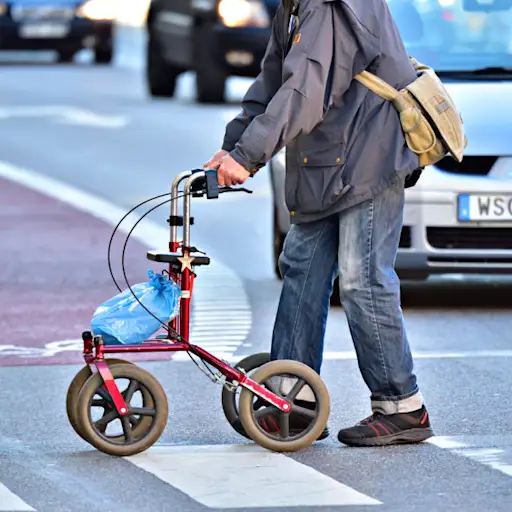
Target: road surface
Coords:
[[81, 145]]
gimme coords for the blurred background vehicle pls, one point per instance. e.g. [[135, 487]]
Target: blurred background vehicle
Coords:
[[216, 39], [458, 218], [65, 26], [460, 26]]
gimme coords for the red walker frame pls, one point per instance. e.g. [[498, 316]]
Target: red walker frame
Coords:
[[94, 349]]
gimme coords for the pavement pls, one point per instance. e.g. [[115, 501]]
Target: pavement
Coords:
[[80, 146]]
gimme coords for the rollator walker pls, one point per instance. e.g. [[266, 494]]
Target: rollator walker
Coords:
[[140, 410]]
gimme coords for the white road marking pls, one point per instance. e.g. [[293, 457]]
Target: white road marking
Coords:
[[224, 346], [350, 355], [229, 286], [11, 502], [245, 476], [492, 456], [65, 114], [459, 354]]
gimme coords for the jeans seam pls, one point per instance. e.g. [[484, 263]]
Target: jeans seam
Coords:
[[370, 291], [292, 352]]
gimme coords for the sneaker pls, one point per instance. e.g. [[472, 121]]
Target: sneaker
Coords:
[[384, 430]]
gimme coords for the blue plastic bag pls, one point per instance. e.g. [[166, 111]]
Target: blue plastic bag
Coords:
[[122, 320]]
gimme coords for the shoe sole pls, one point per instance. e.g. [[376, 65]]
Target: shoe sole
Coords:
[[411, 436]]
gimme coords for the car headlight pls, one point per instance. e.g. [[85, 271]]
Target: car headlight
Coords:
[[243, 13], [98, 10]]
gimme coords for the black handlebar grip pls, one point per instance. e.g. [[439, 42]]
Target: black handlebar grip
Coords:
[[212, 184]]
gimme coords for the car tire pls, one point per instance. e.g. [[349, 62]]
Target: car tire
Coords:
[[66, 56], [103, 55], [210, 77], [161, 77]]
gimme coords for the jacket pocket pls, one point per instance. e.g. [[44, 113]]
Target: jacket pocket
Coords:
[[320, 177]]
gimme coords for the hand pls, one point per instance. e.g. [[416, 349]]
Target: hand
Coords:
[[214, 161], [230, 172]]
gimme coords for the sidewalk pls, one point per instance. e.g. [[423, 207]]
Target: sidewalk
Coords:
[[54, 275]]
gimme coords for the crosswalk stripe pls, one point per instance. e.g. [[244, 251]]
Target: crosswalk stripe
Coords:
[[245, 476], [11, 502], [490, 456]]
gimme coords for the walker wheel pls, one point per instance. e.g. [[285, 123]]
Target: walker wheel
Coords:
[[284, 438], [132, 440], [74, 390], [230, 398]]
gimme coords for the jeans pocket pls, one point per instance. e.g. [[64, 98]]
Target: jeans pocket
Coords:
[[320, 178]]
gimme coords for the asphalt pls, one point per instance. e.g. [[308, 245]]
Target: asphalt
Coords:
[[460, 329]]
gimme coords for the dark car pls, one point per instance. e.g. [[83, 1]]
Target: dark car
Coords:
[[214, 38], [65, 26]]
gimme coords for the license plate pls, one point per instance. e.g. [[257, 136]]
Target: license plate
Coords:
[[44, 30], [483, 207]]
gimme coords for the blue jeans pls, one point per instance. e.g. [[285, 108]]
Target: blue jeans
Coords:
[[359, 245]]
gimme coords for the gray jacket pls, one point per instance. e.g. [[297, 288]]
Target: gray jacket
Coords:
[[344, 144]]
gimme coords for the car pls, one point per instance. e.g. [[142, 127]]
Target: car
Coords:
[[65, 26], [458, 217], [454, 25], [215, 39]]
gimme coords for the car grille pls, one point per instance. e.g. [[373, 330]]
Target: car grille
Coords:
[[470, 165], [470, 238], [37, 13]]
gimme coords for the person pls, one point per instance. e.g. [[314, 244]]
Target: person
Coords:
[[347, 167]]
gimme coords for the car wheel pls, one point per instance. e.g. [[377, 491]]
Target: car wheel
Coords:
[[66, 56], [103, 55], [210, 77], [161, 77]]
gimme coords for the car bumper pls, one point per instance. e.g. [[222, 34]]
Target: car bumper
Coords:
[[74, 34], [241, 50], [434, 241]]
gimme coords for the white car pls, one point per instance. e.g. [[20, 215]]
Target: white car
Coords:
[[458, 217]]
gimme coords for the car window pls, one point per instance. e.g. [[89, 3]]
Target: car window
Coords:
[[456, 35]]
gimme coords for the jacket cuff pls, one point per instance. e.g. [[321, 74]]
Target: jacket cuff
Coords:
[[248, 166], [227, 146]]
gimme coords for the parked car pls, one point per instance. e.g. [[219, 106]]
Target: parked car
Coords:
[[215, 38], [65, 26], [458, 218]]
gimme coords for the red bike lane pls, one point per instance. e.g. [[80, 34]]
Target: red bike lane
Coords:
[[54, 273]]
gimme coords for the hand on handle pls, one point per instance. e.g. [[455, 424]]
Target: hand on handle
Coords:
[[214, 161]]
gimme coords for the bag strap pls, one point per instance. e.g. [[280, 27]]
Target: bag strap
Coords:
[[377, 85], [291, 22], [381, 88]]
